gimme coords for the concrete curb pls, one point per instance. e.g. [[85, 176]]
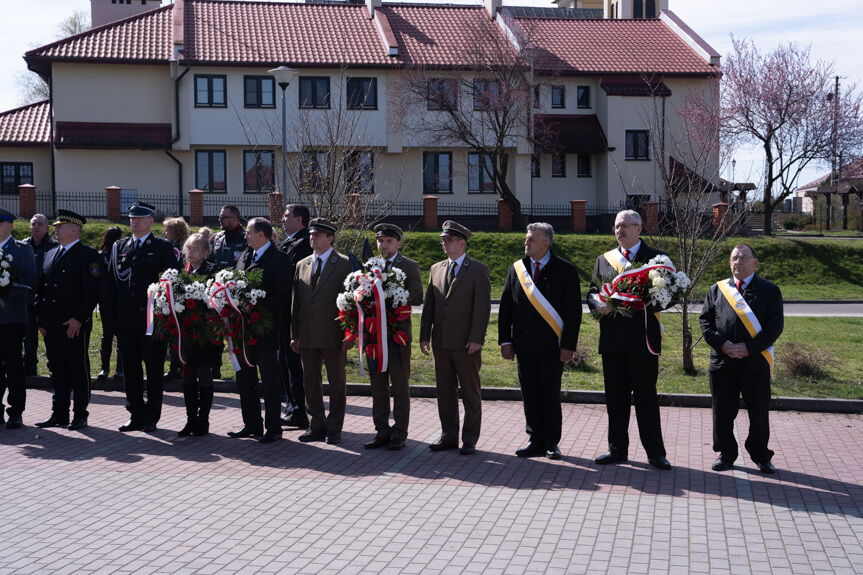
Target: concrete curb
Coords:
[[803, 404]]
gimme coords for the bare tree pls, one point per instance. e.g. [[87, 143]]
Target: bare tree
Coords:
[[486, 105], [29, 85], [781, 101]]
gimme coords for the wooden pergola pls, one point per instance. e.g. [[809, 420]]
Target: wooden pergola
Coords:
[[844, 189]]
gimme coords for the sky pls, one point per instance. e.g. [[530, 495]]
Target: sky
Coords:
[[830, 27]]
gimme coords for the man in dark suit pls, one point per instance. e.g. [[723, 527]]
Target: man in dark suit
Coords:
[[630, 356], [389, 240], [136, 262], [539, 319], [21, 265], [66, 297], [316, 333], [295, 224], [262, 254], [454, 320], [741, 319], [227, 245], [42, 243]]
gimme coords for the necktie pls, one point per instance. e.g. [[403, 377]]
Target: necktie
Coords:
[[60, 254], [316, 276], [627, 254], [535, 271], [740, 286], [450, 276], [388, 266], [137, 245]]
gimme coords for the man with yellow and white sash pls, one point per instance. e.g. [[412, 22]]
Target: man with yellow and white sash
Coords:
[[741, 319], [540, 314]]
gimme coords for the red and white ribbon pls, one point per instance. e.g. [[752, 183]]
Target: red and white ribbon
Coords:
[[380, 324], [169, 292], [226, 288]]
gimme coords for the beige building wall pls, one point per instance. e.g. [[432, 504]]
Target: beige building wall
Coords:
[[148, 172], [112, 93], [39, 157]]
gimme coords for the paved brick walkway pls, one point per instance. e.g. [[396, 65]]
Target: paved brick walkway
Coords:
[[99, 501]]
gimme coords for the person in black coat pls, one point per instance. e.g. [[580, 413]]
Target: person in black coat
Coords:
[[741, 361], [68, 292], [630, 356], [42, 243], [524, 333], [136, 262], [295, 224], [13, 319], [262, 254], [227, 245]]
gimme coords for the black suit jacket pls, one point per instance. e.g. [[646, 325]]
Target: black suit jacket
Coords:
[[17, 295], [621, 334], [297, 249], [275, 282], [129, 296], [69, 287], [521, 325], [720, 323]]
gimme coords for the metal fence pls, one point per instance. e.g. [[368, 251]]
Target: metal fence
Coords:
[[90, 204], [250, 206], [10, 203]]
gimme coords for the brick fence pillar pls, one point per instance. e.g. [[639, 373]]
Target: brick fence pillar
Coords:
[[504, 216], [430, 213], [196, 207], [651, 217], [112, 204], [720, 217], [27, 201], [277, 208], [578, 215]]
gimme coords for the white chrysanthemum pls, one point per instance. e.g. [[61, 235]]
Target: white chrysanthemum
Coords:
[[341, 302], [4, 264], [4, 281]]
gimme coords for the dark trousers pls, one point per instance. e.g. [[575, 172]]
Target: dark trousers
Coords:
[[726, 388], [12, 360], [265, 361], [335, 359], [291, 366], [539, 378], [106, 347], [399, 373], [635, 374], [31, 342], [457, 369], [69, 371], [138, 349]]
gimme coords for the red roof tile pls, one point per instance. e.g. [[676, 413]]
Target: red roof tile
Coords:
[[25, 126], [572, 46], [142, 38]]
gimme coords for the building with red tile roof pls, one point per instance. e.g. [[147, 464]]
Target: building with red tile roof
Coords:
[[179, 97]]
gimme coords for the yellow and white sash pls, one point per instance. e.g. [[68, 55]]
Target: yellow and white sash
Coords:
[[542, 305], [746, 315], [618, 261]]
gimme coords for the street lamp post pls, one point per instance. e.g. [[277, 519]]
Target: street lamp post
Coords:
[[283, 76]]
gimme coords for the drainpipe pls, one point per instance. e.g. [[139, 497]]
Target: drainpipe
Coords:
[[177, 137], [51, 138]]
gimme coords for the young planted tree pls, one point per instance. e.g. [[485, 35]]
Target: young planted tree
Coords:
[[787, 105]]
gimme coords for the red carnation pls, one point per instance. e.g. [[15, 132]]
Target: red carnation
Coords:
[[642, 280], [195, 317], [195, 335], [254, 317], [252, 341], [190, 303], [174, 331], [187, 321], [224, 312], [171, 320], [238, 351]]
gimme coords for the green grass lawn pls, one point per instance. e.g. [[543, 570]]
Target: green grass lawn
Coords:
[[841, 338]]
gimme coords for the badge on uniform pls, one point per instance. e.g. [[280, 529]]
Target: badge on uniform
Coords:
[[96, 270], [740, 305]]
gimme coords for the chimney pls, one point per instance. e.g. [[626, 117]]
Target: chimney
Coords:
[[492, 7], [178, 27], [371, 5]]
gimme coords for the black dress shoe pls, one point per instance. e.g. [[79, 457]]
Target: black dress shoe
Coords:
[[553, 452], [660, 463], [188, 429], [610, 457], [131, 425], [396, 443], [308, 437], [334, 437], [468, 449], [78, 423], [297, 422], [763, 466], [443, 445], [378, 441], [245, 432], [103, 375], [723, 463], [53, 422], [149, 427], [14, 422], [530, 450], [270, 437]]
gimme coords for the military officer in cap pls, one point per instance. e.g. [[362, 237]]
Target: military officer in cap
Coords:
[[13, 317], [389, 239], [65, 299], [136, 262], [454, 319], [316, 333]]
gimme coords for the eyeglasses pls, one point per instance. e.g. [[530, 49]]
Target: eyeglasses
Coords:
[[227, 218], [448, 240]]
